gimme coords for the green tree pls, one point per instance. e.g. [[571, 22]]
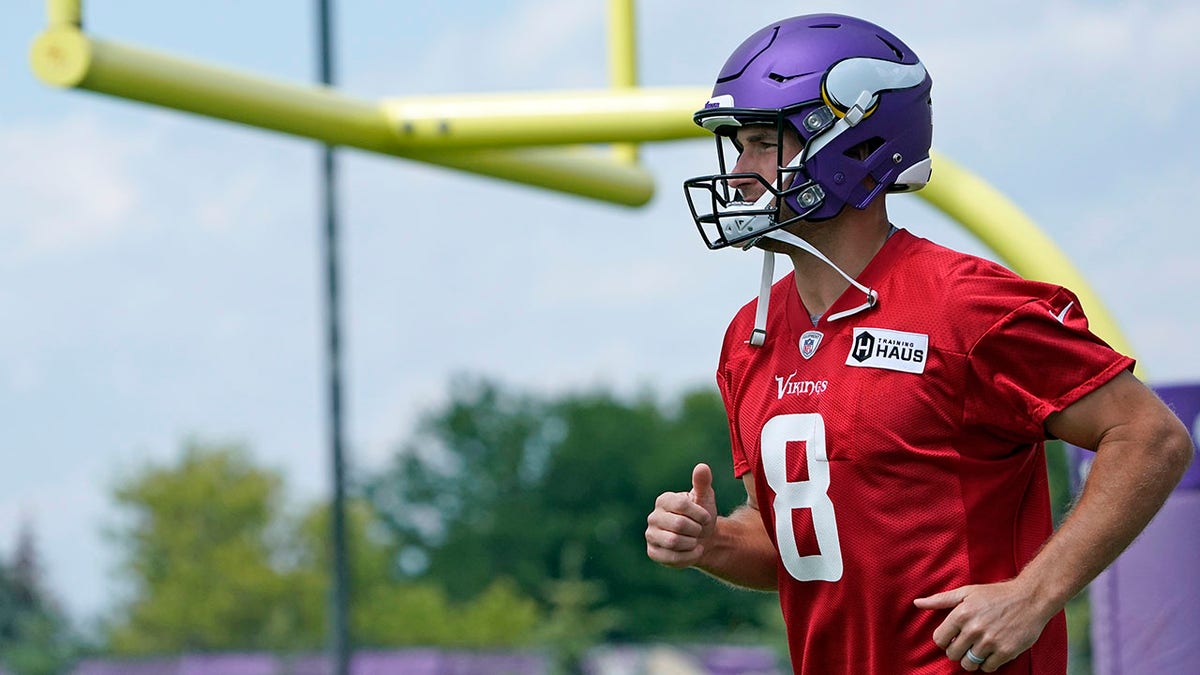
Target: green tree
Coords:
[[575, 623], [35, 636], [387, 611], [500, 484], [198, 555], [215, 563], [1058, 466], [613, 461]]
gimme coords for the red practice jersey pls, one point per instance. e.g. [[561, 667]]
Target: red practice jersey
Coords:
[[898, 452]]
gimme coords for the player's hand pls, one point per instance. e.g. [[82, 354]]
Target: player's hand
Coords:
[[682, 522], [995, 621]]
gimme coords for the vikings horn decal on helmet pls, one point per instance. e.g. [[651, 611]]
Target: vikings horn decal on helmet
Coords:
[[858, 98]]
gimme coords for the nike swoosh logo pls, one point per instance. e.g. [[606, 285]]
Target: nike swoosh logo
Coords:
[[1061, 316]]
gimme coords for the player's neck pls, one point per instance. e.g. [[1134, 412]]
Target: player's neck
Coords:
[[851, 240]]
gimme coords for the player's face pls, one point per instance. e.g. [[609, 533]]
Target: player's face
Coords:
[[758, 152]]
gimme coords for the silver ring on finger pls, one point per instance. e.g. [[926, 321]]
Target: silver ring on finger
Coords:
[[975, 658]]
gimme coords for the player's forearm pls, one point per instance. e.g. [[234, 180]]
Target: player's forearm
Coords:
[[1130, 478], [740, 552]]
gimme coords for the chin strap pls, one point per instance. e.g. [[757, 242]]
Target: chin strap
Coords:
[[759, 335]]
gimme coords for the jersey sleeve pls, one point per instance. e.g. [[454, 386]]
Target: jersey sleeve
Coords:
[[1036, 360], [740, 464], [725, 382], [729, 381]]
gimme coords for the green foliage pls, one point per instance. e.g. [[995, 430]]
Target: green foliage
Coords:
[[508, 521], [35, 638], [575, 622], [499, 484], [199, 557], [1059, 472], [216, 565], [386, 611], [1079, 647], [421, 614], [43, 645], [1058, 467]]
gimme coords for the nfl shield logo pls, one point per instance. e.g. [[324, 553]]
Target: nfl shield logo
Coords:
[[809, 343]]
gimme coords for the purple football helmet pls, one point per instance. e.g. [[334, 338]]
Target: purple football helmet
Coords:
[[858, 98]]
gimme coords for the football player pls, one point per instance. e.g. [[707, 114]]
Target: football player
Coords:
[[889, 400]]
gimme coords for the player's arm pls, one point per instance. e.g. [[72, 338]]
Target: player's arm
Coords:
[[1142, 451], [740, 552], [685, 531]]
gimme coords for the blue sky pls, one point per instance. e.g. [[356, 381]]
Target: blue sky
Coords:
[[159, 272]]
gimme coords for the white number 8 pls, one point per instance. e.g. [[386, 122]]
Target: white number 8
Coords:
[[812, 494]]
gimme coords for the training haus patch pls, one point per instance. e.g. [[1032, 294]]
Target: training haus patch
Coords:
[[888, 349]]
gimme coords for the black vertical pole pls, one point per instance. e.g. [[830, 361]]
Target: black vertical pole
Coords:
[[341, 595]]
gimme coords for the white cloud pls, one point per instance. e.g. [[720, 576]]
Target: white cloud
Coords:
[[73, 180], [547, 32], [534, 45], [633, 284], [1055, 68], [233, 202]]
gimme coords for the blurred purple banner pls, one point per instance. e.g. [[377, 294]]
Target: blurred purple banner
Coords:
[[1184, 399], [1146, 606]]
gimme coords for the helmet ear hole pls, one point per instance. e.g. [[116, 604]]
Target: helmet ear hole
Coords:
[[864, 150]]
